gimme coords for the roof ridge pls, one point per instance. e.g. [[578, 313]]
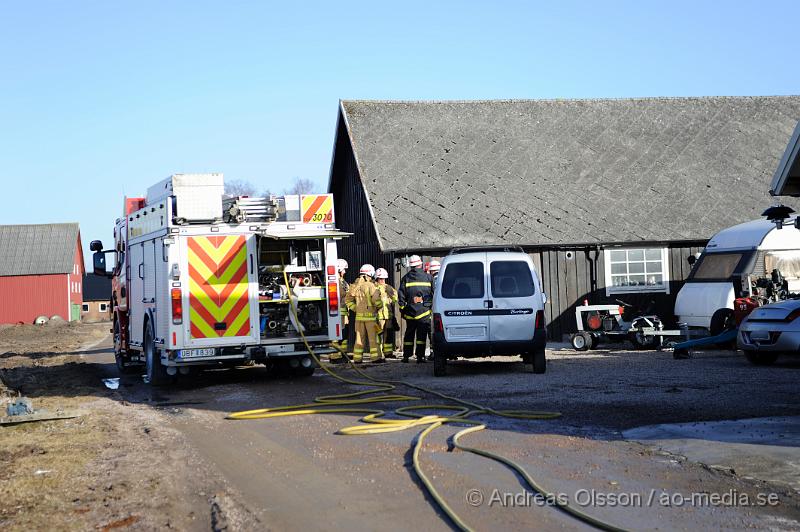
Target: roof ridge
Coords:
[[555, 100]]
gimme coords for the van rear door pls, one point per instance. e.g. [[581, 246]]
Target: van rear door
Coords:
[[515, 298], [463, 307]]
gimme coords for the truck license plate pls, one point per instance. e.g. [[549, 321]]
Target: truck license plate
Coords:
[[194, 353]]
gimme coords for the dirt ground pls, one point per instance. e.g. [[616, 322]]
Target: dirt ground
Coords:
[[142, 458], [108, 469]]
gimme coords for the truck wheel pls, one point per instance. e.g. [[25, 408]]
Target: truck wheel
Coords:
[[539, 361], [155, 373], [439, 364], [121, 357], [581, 341], [761, 358]]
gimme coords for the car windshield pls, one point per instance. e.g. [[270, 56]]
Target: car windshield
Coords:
[[463, 280], [511, 278]]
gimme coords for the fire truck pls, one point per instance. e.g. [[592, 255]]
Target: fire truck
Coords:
[[201, 279]]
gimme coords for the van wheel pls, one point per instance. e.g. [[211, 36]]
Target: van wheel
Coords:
[[539, 362], [155, 373], [439, 364], [581, 341]]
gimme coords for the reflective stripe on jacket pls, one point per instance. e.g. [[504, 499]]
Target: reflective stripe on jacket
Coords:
[[416, 284]]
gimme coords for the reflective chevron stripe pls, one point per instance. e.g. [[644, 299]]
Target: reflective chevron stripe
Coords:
[[219, 302]]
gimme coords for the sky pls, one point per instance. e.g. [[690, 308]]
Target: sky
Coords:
[[99, 100]]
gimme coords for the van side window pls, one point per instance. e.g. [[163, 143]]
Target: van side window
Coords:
[[511, 278], [463, 280]]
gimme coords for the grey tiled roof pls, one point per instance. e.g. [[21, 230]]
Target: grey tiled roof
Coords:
[[541, 172], [37, 249]]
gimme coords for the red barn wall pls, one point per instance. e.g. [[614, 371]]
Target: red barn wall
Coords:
[[24, 297], [76, 278]]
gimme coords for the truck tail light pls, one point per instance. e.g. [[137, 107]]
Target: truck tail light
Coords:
[[177, 306], [331, 270], [438, 326], [539, 319], [333, 298]]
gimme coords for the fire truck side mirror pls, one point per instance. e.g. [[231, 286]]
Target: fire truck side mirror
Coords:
[[99, 262], [96, 245]]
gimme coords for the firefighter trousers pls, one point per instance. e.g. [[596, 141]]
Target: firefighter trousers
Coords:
[[415, 338], [366, 331], [386, 338]]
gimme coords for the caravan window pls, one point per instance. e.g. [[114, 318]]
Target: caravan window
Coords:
[[717, 266]]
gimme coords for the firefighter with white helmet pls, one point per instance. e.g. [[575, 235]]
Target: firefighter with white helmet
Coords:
[[336, 357], [415, 298], [386, 319], [434, 267], [361, 298]]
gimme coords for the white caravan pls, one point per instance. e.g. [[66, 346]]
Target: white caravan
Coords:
[[729, 266]]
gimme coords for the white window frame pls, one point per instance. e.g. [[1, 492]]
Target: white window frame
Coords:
[[611, 289], [85, 307], [103, 307]]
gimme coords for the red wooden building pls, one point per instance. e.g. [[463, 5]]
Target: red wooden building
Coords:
[[41, 272]]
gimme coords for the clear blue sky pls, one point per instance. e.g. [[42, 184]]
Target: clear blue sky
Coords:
[[101, 99]]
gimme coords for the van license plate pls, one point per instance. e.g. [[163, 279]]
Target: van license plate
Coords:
[[195, 353]]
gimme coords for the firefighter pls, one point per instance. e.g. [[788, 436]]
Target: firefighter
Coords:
[[415, 298], [386, 320], [336, 357], [361, 300]]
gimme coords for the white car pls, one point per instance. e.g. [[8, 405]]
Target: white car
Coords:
[[488, 301]]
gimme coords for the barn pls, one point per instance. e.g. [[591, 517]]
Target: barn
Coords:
[[41, 269], [609, 197]]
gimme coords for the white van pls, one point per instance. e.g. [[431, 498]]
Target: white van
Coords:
[[732, 261], [488, 301]]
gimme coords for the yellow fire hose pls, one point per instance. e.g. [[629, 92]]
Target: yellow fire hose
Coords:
[[374, 423]]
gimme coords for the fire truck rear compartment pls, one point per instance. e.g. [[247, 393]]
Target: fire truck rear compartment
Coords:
[[301, 263]]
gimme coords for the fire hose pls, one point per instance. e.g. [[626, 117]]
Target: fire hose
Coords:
[[374, 422]]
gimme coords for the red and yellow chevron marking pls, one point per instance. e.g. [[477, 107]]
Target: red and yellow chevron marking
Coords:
[[218, 286], [317, 208]]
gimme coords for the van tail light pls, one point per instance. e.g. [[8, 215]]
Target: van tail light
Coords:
[[539, 319], [438, 326], [177, 306], [333, 298]]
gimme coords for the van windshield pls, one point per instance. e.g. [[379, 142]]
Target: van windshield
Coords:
[[717, 266], [511, 278], [463, 280]]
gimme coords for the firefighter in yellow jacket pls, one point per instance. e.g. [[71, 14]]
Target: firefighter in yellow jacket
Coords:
[[386, 331], [361, 300]]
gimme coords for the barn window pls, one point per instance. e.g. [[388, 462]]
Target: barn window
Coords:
[[103, 307], [85, 307], [636, 270]]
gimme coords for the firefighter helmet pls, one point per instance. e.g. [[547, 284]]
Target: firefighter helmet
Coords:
[[381, 273], [435, 266], [367, 269], [414, 261], [341, 265]]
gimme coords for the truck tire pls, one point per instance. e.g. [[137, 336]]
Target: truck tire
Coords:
[[539, 362], [439, 364], [761, 358], [121, 357], [155, 373]]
